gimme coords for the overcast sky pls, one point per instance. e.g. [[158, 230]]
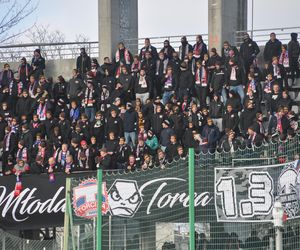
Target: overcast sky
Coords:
[[158, 17]]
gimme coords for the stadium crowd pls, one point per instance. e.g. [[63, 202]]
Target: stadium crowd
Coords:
[[140, 111]]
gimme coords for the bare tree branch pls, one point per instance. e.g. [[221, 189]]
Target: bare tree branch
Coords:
[[16, 12]]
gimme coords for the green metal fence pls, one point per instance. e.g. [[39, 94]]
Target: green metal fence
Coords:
[[167, 225]]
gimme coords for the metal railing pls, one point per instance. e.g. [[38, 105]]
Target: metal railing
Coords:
[[70, 50], [261, 36]]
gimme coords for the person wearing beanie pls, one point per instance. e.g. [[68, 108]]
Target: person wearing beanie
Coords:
[[248, 52], [294, 52], [83, 62], [37, 64]]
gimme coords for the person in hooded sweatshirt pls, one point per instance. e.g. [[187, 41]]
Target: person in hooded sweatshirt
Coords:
[[294, 52], [184, 48]]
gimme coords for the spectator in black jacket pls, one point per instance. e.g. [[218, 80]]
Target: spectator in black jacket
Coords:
[[248, 51], [254, 139], [83, 62], [171, 149], [277, 71], [217, 81], [130, 122], [104, 161], [235, 79], [148, 48], [247, 117], [127, 81], [216, 111], [167, 49], [142, 87], [272, 48], [294, 52], [231, 120], [169, 83], [279, 123], [24, 105], [184, 48], [114, 124], [225, 51], [37, 64], [199, 48], [185, 82]]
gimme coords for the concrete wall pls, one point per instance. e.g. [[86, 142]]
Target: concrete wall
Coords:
[[118, 21], [224, 19], [54, 68]]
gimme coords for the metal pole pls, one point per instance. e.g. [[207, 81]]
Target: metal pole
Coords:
[[192, 197], [109, 232], [279, 238], [252, 14], [99, 209]]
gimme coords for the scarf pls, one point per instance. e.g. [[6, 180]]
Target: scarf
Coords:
[[197, 50], [145, 49], [7, 141], [62, 157], [135, 67], [21, 69], [279, 124], [84, 163], [168, 82], [203, 77], [68, 165], [251, 86], [198, 76], [98, 124], [233, 73], [31, 90], [88, 97], [35, 124], [284, 59], [42, 153], [20, 88], [267, 87], [126, 55], [165, 64], [22, 154], [276, 71], [183, 52], [143, 82], [41, 112]]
